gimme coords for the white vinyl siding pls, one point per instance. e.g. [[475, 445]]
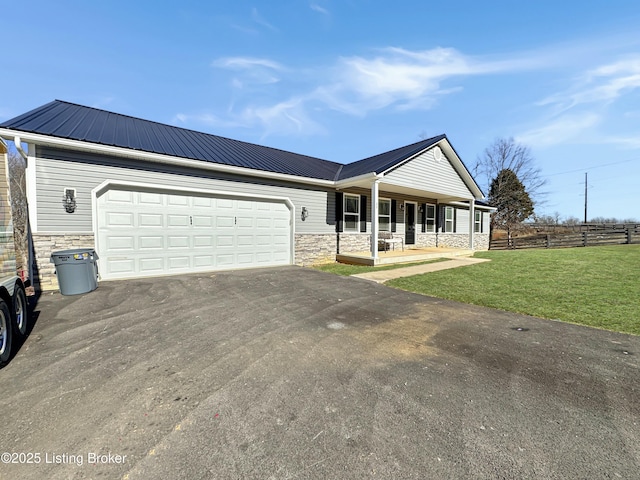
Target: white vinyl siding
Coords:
[[351, 213], [428, 174], [384, 215], [57, 169]]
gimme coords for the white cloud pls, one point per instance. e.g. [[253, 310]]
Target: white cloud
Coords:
[[318, 8], [601, 85], [631, 142], [256, 17], [244, 63], [563, 129], [253, 70]]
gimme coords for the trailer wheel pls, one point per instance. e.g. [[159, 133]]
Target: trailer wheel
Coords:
[[6, 333], [20, 311]]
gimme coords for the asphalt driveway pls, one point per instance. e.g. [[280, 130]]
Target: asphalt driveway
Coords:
[[294, 373]]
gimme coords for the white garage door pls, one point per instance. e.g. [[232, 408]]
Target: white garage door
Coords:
[[146, 233]]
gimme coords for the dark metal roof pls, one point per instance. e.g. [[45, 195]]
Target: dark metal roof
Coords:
[[384, 161], [77, 122]]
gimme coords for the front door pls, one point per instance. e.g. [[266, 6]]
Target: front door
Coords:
[[410, 224]]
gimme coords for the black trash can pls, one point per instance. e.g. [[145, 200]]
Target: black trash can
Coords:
[[77, 270]]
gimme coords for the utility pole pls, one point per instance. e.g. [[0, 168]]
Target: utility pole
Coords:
[[585, 197]]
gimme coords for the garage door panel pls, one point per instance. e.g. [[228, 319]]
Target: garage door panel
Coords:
[[116, 266], [177, 221], [245, 222], [225, 222], [153, 233], [121, 243], [119, 196], [203, 241], [203, 221], [225, 241], [150, 220], [224, 203], [151, 265], [116, 219], [203, 261], [146, 198], [151, 242]]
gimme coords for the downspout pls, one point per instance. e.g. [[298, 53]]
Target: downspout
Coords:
[[18, 143]]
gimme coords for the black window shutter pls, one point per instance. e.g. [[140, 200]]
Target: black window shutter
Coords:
[[339, 211], [363, 213], [393, 215], [424, 217]]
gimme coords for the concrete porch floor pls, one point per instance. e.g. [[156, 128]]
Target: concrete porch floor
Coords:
[[400, 256]]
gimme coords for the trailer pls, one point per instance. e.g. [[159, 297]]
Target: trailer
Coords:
[[14, 309]]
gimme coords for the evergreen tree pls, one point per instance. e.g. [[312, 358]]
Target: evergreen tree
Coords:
[[508, 195]]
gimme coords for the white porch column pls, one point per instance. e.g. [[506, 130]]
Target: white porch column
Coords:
[[374, 219], [472, 222]]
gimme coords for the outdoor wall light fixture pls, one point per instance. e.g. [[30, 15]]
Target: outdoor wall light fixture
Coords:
[[69, 200], [402, 206], [304, 213]]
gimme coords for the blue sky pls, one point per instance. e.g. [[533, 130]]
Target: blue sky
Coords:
[[344, 80]]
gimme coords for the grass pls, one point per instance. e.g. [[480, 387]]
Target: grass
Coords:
[[594, 286], [344, 269]]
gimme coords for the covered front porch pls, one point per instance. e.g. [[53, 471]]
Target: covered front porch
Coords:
[[408, 255]]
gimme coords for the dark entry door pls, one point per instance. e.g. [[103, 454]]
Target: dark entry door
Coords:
[[410, 226]]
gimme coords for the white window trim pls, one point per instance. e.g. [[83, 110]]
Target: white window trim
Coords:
[[452, 221], [345, 213], [427, 218], [477, 222], [387, 200]]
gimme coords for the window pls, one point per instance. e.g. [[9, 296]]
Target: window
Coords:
[[449, 220], [384, 215], [478, 222], [431, 218], [351, 213]]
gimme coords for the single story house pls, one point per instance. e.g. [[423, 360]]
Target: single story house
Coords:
[[154, 199]]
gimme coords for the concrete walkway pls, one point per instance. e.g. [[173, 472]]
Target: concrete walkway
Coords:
[[386, 275]]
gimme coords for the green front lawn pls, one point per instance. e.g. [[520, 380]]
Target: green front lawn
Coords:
[[595, 286]]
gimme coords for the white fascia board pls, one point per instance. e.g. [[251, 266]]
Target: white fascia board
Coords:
[[477, 206], [364, 179], [160, 158], [461, 169]]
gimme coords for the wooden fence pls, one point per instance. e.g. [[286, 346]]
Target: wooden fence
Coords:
[[577, 239]]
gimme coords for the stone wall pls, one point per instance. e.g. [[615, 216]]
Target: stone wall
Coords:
[[353, 242], [453, 240], [481, 241], [46, 243], [461, 240], [315, 248], [426, 240]]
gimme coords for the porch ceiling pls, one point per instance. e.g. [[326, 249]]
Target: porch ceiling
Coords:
[[415, 192], [385, 189]]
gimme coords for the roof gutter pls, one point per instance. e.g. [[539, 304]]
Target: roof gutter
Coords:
[[160, 158]]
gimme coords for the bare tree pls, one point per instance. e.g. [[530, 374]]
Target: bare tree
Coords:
[[506, 154], [19, 211]]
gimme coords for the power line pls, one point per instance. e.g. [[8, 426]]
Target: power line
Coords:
[[590, 167]]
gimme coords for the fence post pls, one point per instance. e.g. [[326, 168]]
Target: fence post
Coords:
[[629, 235], [548, 240], [584, 239]]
